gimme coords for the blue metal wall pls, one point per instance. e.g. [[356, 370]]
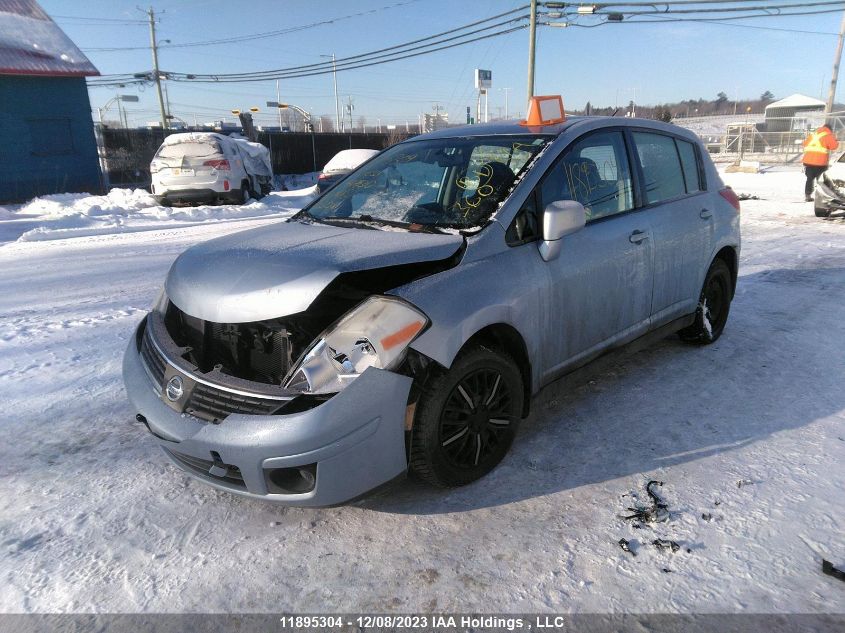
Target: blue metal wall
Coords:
[[46, 138]]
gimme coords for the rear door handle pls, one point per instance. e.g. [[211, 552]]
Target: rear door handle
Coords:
[[705, 214], [637, 236]]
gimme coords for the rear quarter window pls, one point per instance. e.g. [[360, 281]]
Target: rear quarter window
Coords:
[[689, 163], [664, 177]]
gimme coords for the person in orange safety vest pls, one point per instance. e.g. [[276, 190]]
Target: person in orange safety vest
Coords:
[[817, 148]]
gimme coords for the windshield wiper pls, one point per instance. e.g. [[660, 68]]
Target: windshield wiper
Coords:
[[370, 222]]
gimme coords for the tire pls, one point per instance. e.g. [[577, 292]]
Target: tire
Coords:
[[246, 194], [714, 304], [454, 442], [821, 212]]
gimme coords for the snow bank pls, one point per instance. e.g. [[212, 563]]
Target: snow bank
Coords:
[[349, 159], [66, 215]]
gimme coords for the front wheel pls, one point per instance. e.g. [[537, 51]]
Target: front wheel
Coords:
[[714, 303], [466, 419]]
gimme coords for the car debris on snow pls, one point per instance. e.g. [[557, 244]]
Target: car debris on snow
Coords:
[[626, 546], [658, 511], [662, 543], [829, 570]]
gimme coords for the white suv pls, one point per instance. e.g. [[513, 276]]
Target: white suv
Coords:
[[210, 168]]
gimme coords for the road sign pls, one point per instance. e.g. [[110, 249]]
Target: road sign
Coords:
[[483, 79]]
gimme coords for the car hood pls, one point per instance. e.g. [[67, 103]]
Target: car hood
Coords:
[[277, 270]]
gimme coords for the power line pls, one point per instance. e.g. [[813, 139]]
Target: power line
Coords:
[[98, 19], [356, 61], [256, 36], [424, 45], [227, 79], [406, 45]]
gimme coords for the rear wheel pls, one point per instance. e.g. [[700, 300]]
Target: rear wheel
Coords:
[[245, 192], [714, 303], [821, 212], [467, 418]]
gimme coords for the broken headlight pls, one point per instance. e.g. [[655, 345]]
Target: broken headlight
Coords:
[[374, 334]]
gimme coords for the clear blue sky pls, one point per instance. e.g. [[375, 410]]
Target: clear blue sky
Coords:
[[606, 65]]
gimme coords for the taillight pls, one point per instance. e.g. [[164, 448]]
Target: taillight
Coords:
[[217, 164], [728, 194], [322, 176]]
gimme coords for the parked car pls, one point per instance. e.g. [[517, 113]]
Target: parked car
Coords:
[[341, 165], [406, 327], [210, 168], [830, 189]]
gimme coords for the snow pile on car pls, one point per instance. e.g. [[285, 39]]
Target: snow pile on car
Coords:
[[255, 156], [349, 159]]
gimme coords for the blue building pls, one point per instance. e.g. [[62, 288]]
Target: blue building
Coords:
[[46, 133]]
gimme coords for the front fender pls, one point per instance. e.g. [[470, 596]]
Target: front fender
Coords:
[[502, 288]]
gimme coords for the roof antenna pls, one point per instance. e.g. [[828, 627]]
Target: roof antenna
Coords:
[[614, 112]]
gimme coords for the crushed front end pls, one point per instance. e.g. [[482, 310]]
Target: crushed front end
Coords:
[[212, 396], [830, 193]]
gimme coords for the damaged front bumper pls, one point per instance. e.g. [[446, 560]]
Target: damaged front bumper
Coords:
[[827, 196], [328, 454]]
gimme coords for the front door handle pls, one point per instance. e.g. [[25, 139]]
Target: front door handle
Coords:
[[637, 236], [705, 214]]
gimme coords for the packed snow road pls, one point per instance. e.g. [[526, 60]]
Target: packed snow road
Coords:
[[748, 436]]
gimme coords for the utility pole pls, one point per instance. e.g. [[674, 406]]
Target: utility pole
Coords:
[[156, 73], [836, 59], [532, 37]]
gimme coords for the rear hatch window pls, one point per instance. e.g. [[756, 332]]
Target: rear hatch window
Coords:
[[189, 151]]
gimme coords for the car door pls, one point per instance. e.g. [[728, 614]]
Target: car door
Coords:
[[600, 286], [680, 218]]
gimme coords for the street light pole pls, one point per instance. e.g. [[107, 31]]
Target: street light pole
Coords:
[[337, 120], [506, 91], [532, 38], [278, 99]]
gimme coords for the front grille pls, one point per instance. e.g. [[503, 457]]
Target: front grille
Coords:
[[204, 400], [215, 404], [152, 360], [233, 476]]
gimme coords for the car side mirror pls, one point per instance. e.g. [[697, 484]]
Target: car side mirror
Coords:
[[560, 218]]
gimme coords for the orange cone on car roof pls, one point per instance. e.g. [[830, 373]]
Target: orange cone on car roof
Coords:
[[545, 110]]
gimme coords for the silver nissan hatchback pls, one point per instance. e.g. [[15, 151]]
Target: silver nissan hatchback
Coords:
[[403, 321]]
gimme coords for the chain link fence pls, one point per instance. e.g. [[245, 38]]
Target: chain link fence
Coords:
[[778, 140], [125, 154]]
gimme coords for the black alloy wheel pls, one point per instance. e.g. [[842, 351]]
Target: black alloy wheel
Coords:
[[476, 419], [713, 306], [467, 418]]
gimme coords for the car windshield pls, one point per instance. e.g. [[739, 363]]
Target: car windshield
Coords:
[[448, 182]]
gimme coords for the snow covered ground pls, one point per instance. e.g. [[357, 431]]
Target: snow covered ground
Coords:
[[748, 436], [67, 215]]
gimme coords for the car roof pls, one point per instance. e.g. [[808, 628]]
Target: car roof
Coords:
[[500, 127], [514, 127]]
